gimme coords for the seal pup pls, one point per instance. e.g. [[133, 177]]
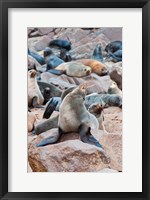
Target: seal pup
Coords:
[[35, 97], [51, 60], [73, 68], [96, 66], [97, 53], [61, 43], [74, 117], [97, 110]]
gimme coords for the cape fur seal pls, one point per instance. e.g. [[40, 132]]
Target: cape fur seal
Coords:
[[74, 117], [96, 66], [35, 97], [72, 69], [114, 49], [97, 53], [65, 56], [113, 89], [51, 60], [38, 57], [61, 43]]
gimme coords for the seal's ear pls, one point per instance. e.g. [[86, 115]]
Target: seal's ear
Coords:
[[83, 87]]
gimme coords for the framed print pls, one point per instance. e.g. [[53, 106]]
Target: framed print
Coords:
[[75, 112]]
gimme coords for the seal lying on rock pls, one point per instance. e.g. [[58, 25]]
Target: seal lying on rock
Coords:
[[61, 43], [74, 69], [114, 50], [35, 97], [96, 66], [74, 117], [51, 60], [36, 56]]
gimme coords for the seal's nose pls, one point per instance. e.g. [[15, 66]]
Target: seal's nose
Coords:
[[88, 72]]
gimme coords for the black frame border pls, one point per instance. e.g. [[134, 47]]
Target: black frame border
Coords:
[[4, 6]]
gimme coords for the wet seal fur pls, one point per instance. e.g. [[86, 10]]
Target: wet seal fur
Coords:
[[114, 49], [35, 97], [61, 43], [51, 60]]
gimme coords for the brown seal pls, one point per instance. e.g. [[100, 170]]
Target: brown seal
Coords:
[[35, 97], [74, 69], [96, 66]]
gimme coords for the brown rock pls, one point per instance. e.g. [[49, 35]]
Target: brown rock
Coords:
[[38, 43], [112, 143], [113, 120], [68, 156], [31, 120]]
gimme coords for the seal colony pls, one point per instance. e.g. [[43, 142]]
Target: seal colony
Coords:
[[76, 109]]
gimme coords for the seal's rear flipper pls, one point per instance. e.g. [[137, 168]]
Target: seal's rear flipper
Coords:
[[87, 137], [56, 72], [50, 140], [50, 108]]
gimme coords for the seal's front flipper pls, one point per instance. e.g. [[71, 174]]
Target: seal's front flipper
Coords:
[[50, 108], [56, 72], [87, 137]]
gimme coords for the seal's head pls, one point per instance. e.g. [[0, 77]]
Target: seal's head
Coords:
[[47, 52], [104, 71], [96, 108], [31, 73]]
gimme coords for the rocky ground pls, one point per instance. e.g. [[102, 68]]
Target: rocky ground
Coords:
[[70, 154]]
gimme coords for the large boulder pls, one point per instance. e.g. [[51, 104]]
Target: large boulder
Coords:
[[113, 120], [67, 156], [95, 83]]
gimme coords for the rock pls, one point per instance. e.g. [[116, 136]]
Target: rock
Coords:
[[39, 32], [112, 143], [112, 34], [38, 43], [68, 156], [95, 83], [89, 44], [31, 120], [115, 74], [113, 120]]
